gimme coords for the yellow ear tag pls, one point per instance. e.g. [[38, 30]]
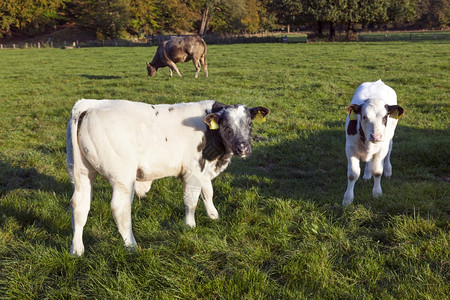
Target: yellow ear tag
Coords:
[[258, 119], [353, 116], [395, 115], [213, 125]]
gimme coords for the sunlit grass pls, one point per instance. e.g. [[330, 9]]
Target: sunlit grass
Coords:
[[282, 233]]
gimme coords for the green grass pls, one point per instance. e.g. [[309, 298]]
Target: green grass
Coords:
[[282, 232]]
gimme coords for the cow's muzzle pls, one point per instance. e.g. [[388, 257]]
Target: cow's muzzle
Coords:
[[242, 150], [376, 138]]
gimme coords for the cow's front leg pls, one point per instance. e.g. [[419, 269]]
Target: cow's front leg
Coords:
[[191, 192], [377, 171], [207, 196], [353, 172], [174, 67], [121, 202]]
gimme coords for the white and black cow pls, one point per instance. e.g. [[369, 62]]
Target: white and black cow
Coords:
[[133, 143], [371, 121]]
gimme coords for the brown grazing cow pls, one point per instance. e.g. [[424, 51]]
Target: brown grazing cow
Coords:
[[179, 49]]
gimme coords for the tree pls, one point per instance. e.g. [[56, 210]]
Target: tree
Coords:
[[330, 11], [175, 16], [29, 15], [402, 11], [287, 12], [434, 13], [143, 17], [109, 18]]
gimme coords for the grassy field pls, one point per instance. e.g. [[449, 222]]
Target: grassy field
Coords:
[[282, 232]]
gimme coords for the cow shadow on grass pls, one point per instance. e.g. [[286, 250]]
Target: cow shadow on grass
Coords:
[[31, 197], [313, 168], [99, 77]]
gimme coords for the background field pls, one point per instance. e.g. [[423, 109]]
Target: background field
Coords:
[[282, 233]]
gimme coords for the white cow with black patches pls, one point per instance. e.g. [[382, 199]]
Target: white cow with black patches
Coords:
[[132, 144], [372, 117]]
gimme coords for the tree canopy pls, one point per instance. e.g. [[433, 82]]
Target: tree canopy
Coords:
[[117, 18]]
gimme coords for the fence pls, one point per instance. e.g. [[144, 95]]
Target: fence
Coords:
[[403, 36], [156, 40], [220, 40]]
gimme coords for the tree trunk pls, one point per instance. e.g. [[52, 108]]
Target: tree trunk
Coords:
[[349, 31], [332, 32], [319, 28], [205, 19]]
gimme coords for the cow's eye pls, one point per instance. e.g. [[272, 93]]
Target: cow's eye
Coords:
[[364, 118]]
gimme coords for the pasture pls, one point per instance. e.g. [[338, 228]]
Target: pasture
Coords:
[[282, 232]]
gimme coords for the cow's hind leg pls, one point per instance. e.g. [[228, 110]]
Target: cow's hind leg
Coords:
[[368, 170], [205, 65], [207, 196], [387, 171], [196, 63], [81, 202], [121, 202]]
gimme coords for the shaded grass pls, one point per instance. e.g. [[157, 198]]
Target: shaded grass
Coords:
[[282, 233]]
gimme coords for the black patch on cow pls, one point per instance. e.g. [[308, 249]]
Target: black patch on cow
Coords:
[[377, 175], [351, 128], [362, 136], [384, 121], [351, 177], [80, 120], [139, 174], [170, 108], [214, 146], [153, 107], [156, 113], [201, 162], [166, 139], [202, 144], [223, 161]]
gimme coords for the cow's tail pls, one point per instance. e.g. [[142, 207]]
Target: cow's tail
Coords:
[[74, 158], [204, 46]]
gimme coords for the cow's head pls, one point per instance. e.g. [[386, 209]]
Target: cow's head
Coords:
[[150, 70], [234, 124], [373, 117]]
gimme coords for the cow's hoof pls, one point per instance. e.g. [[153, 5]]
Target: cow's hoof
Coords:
[[367, 177], [347, 201], [376, 194], [76, 251]]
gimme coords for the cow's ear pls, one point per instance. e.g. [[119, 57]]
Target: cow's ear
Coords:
[[395, 111], [217, 106], [212, 120], [259, 114], [353, 111]]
